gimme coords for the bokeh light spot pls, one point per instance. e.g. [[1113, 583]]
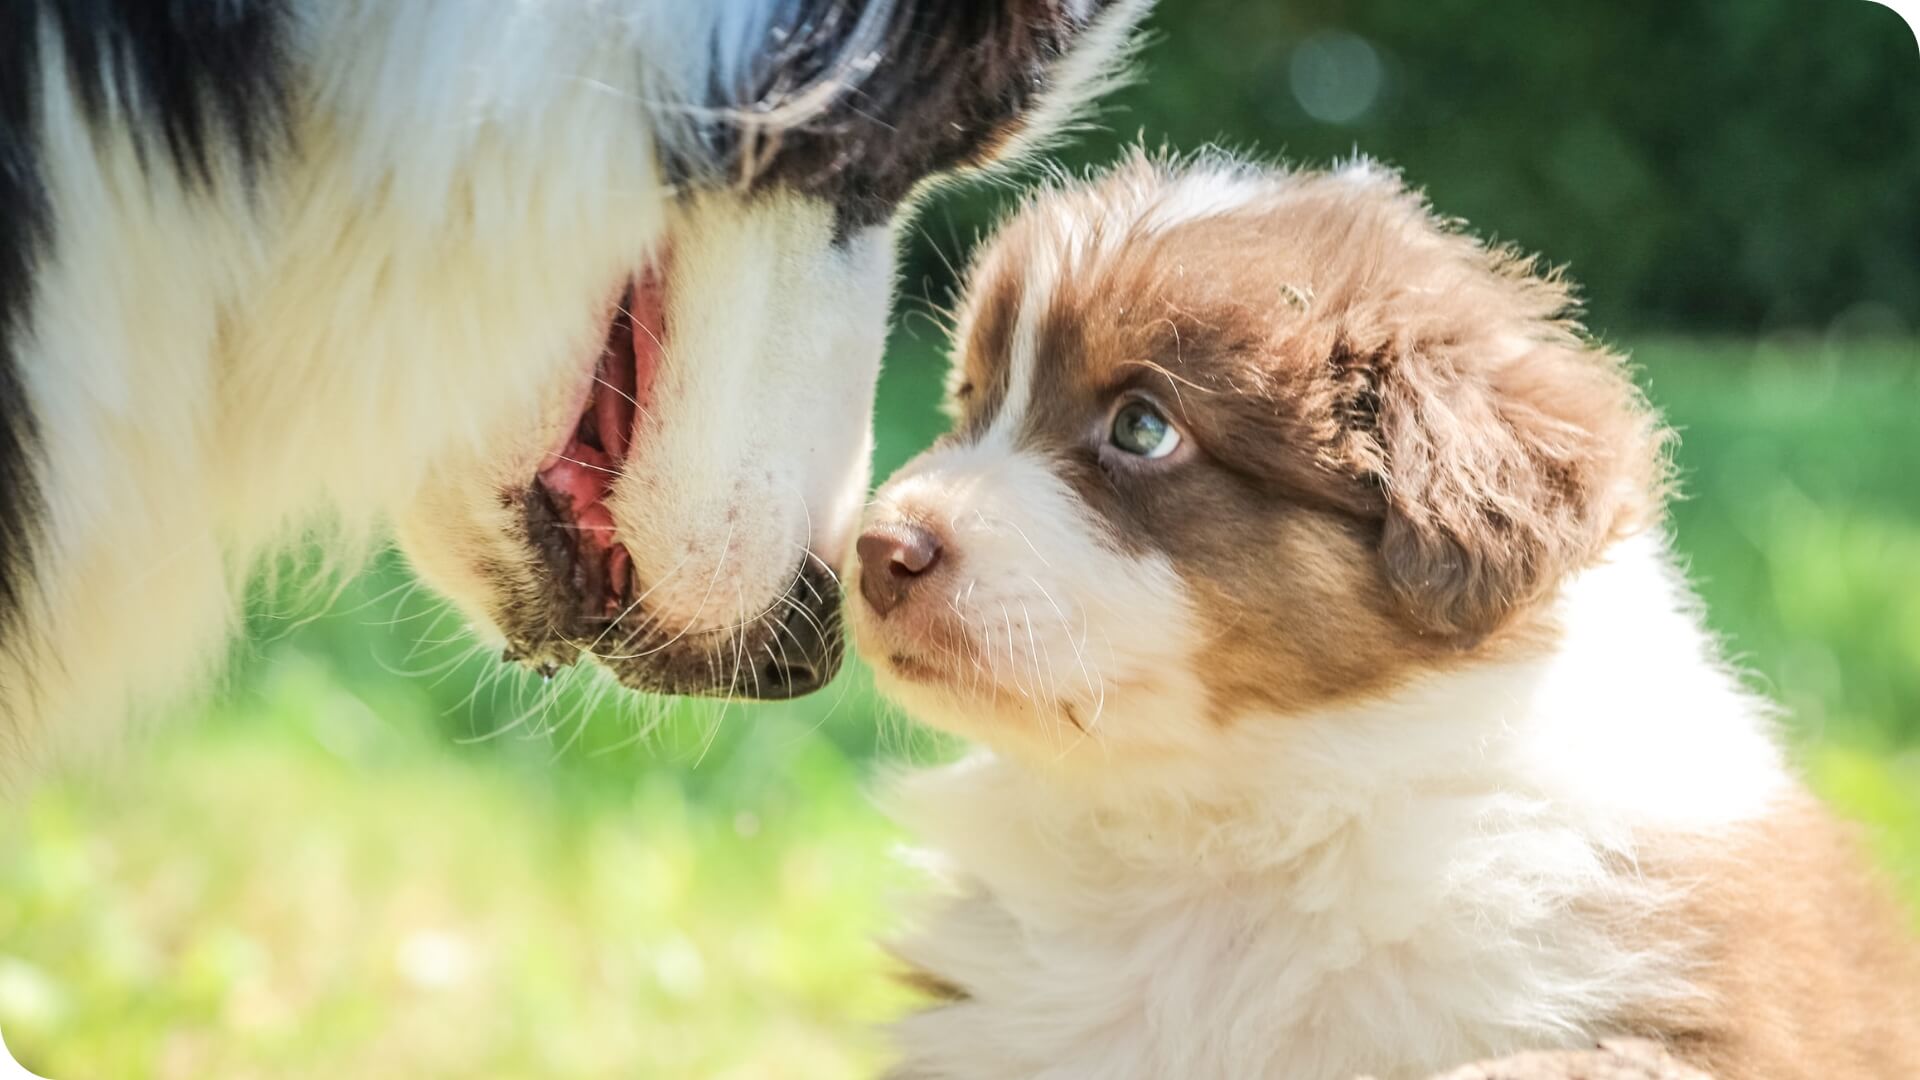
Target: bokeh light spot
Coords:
[[1336, 76]]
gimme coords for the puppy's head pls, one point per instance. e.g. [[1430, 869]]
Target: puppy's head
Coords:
[[1233, 442], [663, 516]]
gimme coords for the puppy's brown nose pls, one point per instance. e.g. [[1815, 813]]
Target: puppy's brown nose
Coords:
[[893, 559]]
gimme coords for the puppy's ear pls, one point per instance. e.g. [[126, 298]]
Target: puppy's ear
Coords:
[[1503, 467]]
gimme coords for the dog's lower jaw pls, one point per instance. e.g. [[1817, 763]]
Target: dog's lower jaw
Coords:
[[1389, 888]]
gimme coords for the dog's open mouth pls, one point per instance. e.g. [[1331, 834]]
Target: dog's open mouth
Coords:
[[568, 514], [590, 602]]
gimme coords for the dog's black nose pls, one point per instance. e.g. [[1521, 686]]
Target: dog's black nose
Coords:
[[804, 654], [893, 559]]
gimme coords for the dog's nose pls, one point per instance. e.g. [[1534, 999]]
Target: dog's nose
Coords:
[[893, 559], [805, 651]]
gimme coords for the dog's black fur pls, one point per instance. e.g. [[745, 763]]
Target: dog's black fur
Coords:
[[945, 82], [199, 81]]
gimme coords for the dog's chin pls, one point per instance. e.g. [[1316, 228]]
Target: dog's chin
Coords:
[[788, 650], [524, 580], [577, 599]]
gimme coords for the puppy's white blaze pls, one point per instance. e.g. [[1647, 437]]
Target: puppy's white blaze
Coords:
[[755, 448], [1059, 615], [1036, 293], [1203, 194]]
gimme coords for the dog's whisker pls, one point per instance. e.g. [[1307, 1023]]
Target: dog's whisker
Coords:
[[635, 605], [637, 407], [587, 465]]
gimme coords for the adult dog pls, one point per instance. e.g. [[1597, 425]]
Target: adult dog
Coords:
[[587, 295]]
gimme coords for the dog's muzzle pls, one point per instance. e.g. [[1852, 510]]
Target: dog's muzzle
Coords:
[[808, 642]]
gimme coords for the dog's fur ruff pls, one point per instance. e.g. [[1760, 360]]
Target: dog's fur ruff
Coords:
[[1369, 731]]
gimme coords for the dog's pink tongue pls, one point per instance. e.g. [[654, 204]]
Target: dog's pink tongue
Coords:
[[581, 475], [625, 391]]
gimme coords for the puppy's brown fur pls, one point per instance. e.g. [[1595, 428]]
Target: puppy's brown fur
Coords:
[[1408, 503], [1809, 968]]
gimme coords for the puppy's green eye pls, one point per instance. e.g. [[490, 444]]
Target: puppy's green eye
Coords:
[[1138, 428]]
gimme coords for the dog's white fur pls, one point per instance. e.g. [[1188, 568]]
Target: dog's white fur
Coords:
[[211, 370], [416, 292]]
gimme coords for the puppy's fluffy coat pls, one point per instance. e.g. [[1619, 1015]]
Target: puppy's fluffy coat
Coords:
[[1297, 563]]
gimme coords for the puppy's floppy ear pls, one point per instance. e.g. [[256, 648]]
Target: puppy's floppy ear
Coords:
[[1504, 463]]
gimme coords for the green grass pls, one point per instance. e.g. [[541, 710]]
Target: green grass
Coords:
[[353, 864], [302, 887]]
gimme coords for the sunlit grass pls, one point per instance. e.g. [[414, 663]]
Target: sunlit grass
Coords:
[[358, 866], [313, 891]]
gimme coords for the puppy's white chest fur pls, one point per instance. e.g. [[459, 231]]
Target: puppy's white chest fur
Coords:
[[1387, 889]]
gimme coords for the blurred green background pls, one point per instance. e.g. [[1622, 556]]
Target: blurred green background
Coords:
[[374, 853]]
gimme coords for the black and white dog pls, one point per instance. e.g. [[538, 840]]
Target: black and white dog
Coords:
[[587, 296]]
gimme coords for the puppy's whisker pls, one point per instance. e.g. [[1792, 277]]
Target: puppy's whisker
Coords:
[[1066, 626], [1013, 657], [1051, 680], [1024, 538]]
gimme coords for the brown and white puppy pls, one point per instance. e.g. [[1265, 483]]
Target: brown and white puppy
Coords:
[[1297, 563]]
